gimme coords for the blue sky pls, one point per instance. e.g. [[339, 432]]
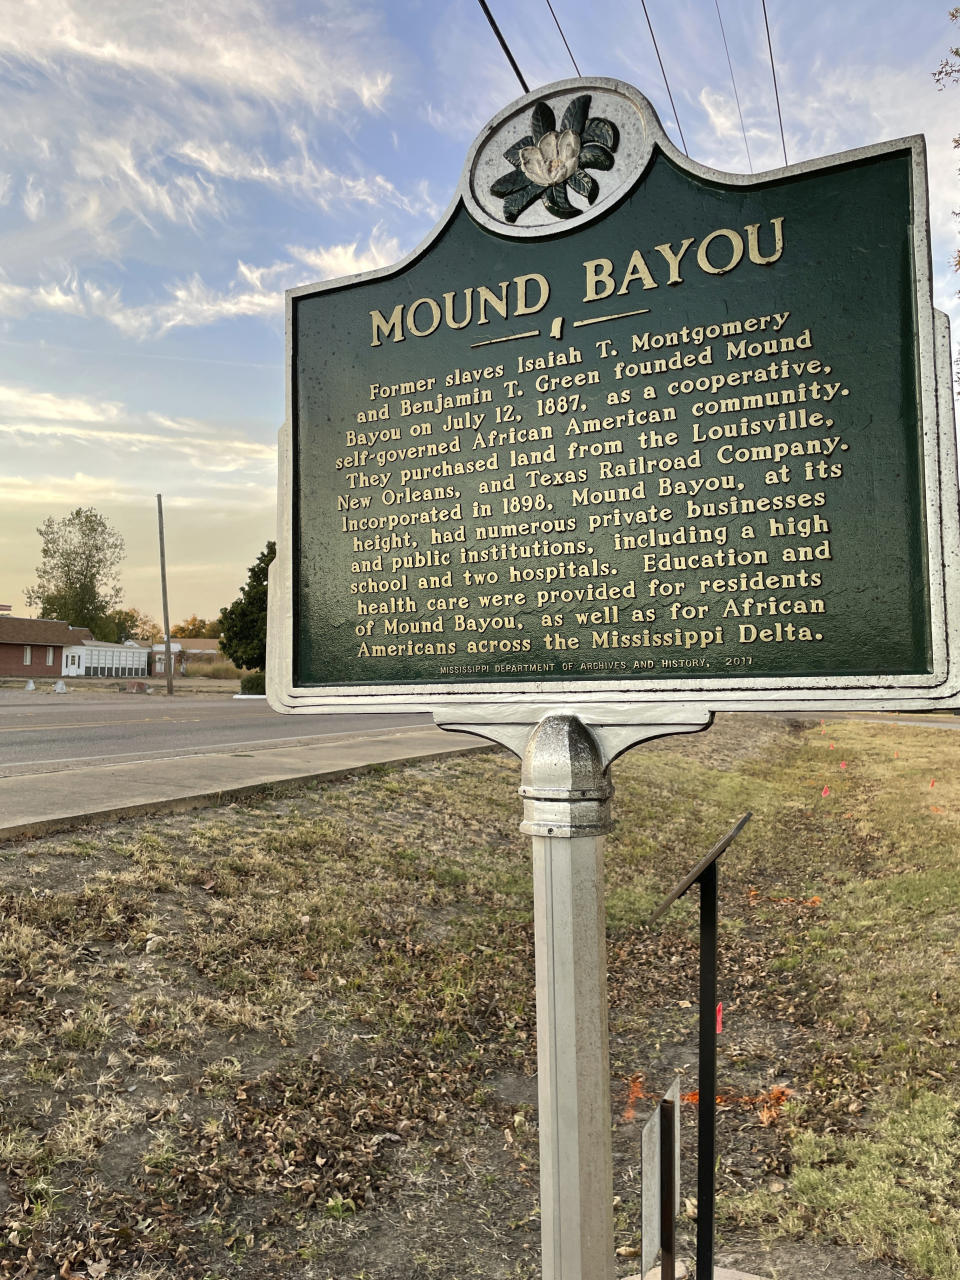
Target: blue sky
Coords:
[[168, 169]]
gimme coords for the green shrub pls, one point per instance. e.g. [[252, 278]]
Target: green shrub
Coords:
[[255, 682]]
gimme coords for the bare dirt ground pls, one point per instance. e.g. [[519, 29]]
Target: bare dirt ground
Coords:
[[295, 1037], [101, 686]]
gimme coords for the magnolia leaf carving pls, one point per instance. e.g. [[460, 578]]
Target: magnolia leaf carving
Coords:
[[551, 161]]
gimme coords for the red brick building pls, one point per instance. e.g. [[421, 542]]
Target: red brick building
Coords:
[[32, 647]]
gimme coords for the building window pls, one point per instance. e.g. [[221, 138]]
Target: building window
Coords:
[[49, 655], [27, 655]]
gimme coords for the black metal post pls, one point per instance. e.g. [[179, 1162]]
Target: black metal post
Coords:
[[705, 874], [706, 1128], [668, 1192]]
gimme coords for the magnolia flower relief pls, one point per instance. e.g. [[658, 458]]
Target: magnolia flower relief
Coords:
[[549, 160]]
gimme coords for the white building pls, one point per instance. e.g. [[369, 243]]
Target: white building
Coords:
[[100, 658], [176, 658], [186, 653]]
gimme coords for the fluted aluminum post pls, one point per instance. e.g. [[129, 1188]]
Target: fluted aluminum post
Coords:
[[566, 795]]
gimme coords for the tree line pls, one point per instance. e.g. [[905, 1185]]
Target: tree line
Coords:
[[78, 582]]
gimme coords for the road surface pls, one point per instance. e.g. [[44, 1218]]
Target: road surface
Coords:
[[45, 732]]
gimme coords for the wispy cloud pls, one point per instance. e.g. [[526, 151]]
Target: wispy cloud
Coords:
[[42, 406], [37, 418], [255, 291], [235, 47], [299, 171], [57, 491], [190, 303], [34, 200], [123, 118], [349, 259], [16, 299]]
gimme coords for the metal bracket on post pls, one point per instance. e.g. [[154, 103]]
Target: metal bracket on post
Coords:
[[615, 727], [566, 752]]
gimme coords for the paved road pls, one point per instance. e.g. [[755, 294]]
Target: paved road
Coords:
[[46, 733]]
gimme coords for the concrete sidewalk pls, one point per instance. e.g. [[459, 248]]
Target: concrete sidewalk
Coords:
[[40, 803]]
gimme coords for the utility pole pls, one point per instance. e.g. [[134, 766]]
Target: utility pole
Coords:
[[166, 610]]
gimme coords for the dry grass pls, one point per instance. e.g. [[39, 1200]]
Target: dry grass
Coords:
[[202, 669], [295, 1038]]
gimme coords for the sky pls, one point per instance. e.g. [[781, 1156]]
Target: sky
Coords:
[[169, 167]]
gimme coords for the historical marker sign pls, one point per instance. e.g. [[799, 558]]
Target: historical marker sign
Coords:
[[626, 429]]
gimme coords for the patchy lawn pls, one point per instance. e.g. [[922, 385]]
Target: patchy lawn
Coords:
[[295, 1037]]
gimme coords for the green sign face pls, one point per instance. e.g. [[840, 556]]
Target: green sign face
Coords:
[[623, 421]]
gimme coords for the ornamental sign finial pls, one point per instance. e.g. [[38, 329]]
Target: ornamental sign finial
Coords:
[[574, 149], [548, 160]]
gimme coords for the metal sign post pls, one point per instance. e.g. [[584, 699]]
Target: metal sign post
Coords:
[[567, 812], [566, 792]]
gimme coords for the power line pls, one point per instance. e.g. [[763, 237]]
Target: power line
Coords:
[[563, 37], [734, 83], [665, 80], [504, 46], [776, 92]]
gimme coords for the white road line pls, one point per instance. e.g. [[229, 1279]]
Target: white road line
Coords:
[[97, 724]]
